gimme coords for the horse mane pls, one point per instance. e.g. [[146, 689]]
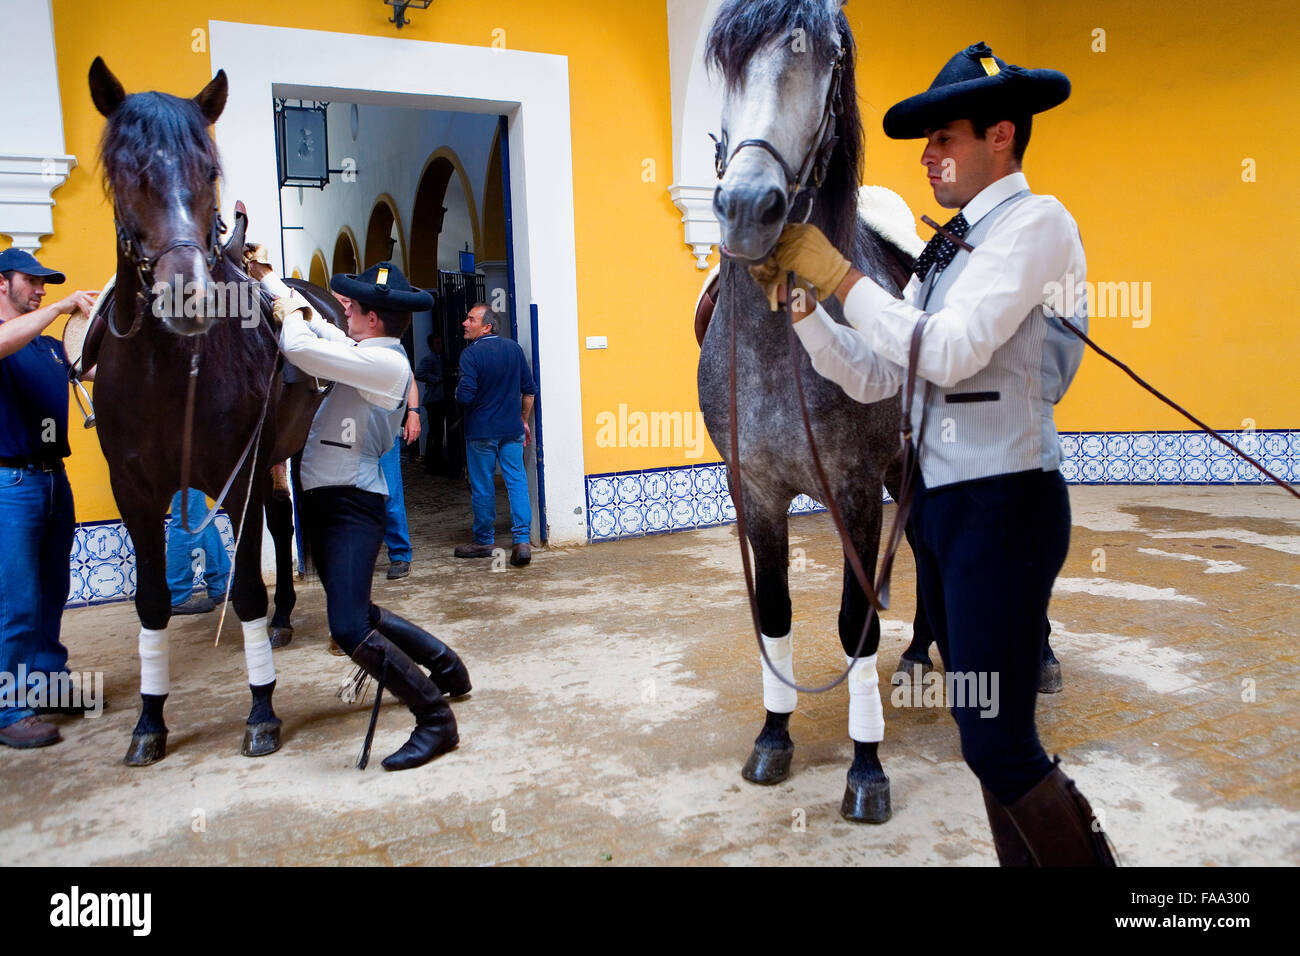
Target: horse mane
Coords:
[[742, 28], [149, 124]]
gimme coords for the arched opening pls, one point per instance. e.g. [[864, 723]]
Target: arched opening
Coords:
[[384, 240], [494, 207], [345, 253], [318, 275]]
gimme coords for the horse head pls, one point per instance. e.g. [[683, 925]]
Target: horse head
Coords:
[[161, 169], [787, 68]]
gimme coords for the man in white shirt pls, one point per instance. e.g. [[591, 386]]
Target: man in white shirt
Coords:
[[991, 516], [344, 491]]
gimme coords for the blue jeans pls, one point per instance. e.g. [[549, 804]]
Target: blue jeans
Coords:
[[396, 534], [36, 531], [481, 457], [181, 548]]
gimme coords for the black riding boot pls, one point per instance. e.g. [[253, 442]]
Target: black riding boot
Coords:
[[435, 725], [445, 666]]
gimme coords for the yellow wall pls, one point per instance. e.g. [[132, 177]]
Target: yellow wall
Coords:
[[1146, 154]]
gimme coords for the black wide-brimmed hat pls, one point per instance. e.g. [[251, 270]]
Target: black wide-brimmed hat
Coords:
[[382, 286], [975, 83]]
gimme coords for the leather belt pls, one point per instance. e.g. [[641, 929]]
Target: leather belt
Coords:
[[33, 464]]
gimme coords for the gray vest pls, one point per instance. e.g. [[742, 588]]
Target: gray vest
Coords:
[[348, 437], [999, 421]]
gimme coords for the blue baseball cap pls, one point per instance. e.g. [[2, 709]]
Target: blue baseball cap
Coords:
[[19, 260]]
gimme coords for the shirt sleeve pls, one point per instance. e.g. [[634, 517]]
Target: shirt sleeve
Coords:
[[316, 348], [467, 387], [842, 355], [1006, 276], [526, 384]]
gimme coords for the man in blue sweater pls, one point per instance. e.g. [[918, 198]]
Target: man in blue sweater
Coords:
[[496, 389]]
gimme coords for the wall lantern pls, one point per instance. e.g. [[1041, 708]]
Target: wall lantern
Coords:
[[398, 18], [301, 145]]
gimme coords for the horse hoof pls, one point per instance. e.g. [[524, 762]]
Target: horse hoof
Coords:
[[866, 801], [768, 765], [261, 739], [280, 636], [146, 749], [1049, 678], [909, 667]]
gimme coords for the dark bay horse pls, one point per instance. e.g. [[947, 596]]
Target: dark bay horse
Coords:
[[183, 314], [783, 62]]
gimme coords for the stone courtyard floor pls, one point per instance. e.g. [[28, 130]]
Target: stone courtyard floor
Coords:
[[616, 694]]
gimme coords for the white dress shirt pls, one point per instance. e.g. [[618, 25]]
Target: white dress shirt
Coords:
[[1033, 245], [370, 366]]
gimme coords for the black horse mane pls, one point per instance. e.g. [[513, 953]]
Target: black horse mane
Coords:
[[149, 123], [742, 28]]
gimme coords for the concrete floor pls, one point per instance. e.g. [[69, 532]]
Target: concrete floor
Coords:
[[616, 694]]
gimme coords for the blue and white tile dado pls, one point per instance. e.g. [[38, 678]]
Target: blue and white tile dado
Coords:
[[103, 561], [632, 503]]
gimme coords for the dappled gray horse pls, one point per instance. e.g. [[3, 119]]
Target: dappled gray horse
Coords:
[[790, 113]]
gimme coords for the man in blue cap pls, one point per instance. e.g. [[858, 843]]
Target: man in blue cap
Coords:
[[344, 491], [36, 511], [990, 520]]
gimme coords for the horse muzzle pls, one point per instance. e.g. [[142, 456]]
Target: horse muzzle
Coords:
[[752, 217]]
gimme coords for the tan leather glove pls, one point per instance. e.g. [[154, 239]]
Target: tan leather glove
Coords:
[[806, 251], [293, 302]]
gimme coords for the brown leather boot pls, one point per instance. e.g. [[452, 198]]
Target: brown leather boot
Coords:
[[1058, 825], [29, 732], [1006, 838]]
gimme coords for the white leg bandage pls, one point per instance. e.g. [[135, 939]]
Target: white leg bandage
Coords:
[[155, 669], [866, 717], [777, 697], [257, 653]]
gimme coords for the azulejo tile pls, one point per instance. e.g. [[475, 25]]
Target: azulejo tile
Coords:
[[1143, 470], [1118, 470], [1143, 445], [1195, 472], [680, 483], [1092, 471], [657, 516], [681, 514], [655, 486], [601, 523], [1091, 445], [1069, 445], [600, 492], [1275, 444], [709, 480], [708, 511], [630, 520], [1118, 445], [1069, 470], [627, 489], [1169, 471], [1223, 469], [1169, 444]]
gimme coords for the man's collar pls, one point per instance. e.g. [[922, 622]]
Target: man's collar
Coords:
[[382, 341], [489, 335], [992, 194]]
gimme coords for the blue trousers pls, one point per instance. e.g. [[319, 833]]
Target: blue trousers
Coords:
[[37, 524], [987, 554], [396, 534], [184, 549], [345, 527], [481, 458]]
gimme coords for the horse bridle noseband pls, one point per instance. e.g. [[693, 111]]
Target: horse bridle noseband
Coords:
[[816, 161], [144, 263]]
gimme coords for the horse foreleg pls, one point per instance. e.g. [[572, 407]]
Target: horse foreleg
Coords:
[[153, 605], [279, 519], [866, 793], [915, 661], [262, 731], [768, 533]]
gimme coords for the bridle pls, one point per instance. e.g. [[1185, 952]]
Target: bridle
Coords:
[[143, 263], [816, 161]]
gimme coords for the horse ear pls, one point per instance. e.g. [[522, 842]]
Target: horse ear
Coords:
[[105, 89], [212, 98]]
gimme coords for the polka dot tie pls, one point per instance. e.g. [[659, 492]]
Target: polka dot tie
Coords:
[[939, 251]]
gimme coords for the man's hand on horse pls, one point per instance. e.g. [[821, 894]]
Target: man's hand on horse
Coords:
[[256, 262], [805, 250], [80, 301], [771, 279]]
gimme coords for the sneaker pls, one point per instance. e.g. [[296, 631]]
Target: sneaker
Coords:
[[473, 551], [398, 569], [197, 604], [521, 554], [29, 732]]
